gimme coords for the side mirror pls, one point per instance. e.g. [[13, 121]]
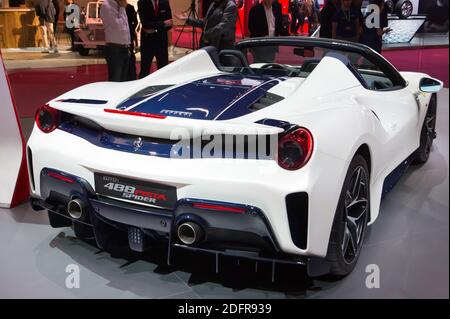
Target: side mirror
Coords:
[[428, 85]]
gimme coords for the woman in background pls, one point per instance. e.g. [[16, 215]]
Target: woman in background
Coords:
[[308, 11], [373, 37]]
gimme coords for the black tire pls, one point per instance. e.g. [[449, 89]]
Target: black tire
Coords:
[[339, 255], [83, 51], [404, 9], [390, 6], [428, 134]]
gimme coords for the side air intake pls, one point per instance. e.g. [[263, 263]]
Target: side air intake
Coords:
[[267, 100]]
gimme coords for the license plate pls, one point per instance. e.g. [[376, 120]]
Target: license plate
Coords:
[[157, 195]]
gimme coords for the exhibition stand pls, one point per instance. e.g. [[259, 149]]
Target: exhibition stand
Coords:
[[14, 186]]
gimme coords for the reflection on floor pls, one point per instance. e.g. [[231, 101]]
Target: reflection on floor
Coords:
[[409, 243]]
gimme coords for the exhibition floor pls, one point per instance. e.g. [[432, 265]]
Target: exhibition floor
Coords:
[[409, 243]]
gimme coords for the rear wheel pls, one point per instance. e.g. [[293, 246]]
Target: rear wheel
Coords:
[[428, 134], [350, 222]]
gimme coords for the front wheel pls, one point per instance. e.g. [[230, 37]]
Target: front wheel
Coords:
[[350, 222]]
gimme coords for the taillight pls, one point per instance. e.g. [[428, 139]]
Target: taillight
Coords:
[[295, 149], [47, 118]]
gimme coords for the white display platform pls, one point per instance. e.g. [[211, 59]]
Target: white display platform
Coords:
[[14, 185]]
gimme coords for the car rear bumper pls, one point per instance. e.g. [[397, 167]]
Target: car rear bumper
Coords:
[[260, 184], [243, 235]]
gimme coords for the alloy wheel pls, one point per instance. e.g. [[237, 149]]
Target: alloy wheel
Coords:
[[355, 214], [407, 9]]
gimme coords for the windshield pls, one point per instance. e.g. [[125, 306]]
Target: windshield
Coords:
[[291, 61], [288, 57]]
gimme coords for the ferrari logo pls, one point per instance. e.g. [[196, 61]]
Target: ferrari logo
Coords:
[[137, 143]]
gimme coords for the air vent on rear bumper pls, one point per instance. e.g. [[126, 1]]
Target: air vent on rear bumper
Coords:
[[297, 211], [267, 100]]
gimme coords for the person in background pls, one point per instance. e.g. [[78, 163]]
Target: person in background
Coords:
[[265, 20], [57, 11], [326, 19], [346, 24], [437, 15], [117, 36], [45, 11], [72, 19], [294, 10], [373, 37], [357, 5], [156, 20], [219, 24], [83, 16], [316, 5], [308, 11], [132, 25]]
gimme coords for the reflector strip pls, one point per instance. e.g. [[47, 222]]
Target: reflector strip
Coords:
[[220, 208], [61, 177], [153, 116]]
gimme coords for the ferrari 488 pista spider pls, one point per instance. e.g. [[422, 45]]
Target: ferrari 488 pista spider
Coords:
[[278, 151]]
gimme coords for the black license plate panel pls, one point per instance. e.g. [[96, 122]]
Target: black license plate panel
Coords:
[[141, 192]]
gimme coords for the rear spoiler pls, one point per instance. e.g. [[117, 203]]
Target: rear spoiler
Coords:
[[158, 126]]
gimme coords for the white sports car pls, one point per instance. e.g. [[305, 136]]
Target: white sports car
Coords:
[[279, 151]]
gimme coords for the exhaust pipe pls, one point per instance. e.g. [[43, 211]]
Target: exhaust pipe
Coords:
[[75, 208], [189, 233]]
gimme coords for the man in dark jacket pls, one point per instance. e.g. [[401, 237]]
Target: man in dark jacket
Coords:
[[326, 19], [219, 24], [266, 19], [57, 11], [346, 22], [156, 20], [132, 24]]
